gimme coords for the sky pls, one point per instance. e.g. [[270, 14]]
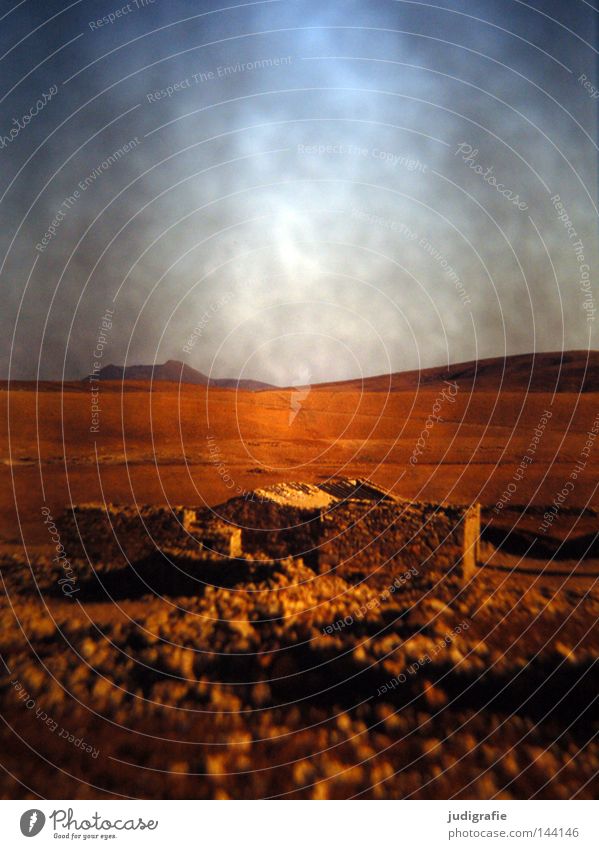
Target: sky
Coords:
[[295, 191]]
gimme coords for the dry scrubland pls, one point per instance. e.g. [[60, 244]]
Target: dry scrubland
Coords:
[[185, 677]]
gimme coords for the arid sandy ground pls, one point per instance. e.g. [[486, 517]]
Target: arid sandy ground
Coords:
[[237, 691], [152, 446]]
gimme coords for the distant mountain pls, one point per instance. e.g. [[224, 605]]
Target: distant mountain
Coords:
[[176, 372]]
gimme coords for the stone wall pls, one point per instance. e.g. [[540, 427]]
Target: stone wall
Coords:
[[376, 542], [273, 531], [357, 539], [113, 533]]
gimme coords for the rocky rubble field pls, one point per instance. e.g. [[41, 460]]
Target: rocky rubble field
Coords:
[[175, 677]]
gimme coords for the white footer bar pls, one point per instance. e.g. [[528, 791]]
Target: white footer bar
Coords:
[[302, 824]]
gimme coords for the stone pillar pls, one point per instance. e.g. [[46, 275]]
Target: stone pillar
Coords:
[[218, 538], [471, 533], [188, 517]]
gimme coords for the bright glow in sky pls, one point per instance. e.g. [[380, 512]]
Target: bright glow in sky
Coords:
[[286, 177]]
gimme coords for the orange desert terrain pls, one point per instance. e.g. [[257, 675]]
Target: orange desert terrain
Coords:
[[241, 689]]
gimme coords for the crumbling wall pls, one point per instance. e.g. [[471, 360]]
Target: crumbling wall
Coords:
[[273, 531], [113, 533], [358, 539], [377, 542]]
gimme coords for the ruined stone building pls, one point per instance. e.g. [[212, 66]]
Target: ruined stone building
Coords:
[[349, 526]]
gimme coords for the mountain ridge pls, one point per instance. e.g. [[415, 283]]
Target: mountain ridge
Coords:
[[175, 371], [567, 371]]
